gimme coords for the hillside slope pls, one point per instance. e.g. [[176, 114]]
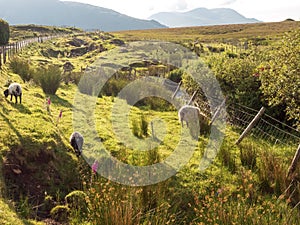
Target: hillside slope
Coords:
[[36, 157], [58, 13], [37, 162]]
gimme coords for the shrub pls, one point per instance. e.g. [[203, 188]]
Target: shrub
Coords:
[[4, 32], [22, 67], [49, 78], [176, 75]]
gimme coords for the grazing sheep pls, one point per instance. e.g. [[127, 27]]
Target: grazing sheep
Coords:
[[194, 118], [188, 114], [76, 141], [14, 89]]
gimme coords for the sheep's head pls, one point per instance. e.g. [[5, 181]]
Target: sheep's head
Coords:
[[6, 93]]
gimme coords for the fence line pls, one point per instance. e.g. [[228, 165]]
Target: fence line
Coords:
[[266, 128], [7, 51]]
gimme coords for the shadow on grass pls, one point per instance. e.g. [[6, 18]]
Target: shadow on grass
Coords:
[[21, 108], [11, 126], [60, 101]]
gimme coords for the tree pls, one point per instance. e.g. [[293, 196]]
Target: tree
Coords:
[[280, 76], [4, 32]]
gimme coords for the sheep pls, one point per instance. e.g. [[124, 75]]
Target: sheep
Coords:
[[192, 115], [14, 89], [76, 141], [188, 113]]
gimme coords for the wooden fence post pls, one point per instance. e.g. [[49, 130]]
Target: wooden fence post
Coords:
[[192, 98], [4, 54], [217, 112], [0, 58], [294, 162], [177, 89], [251, 125]]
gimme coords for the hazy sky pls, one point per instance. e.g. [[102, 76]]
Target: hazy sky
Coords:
[[265, 10]]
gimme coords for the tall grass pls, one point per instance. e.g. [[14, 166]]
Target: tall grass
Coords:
[[21, 67], [49, 78]]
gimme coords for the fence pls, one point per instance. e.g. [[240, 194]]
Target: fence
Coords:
[[7, 51], [265, 127]]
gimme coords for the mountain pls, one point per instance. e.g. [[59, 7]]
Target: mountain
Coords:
[[201, 17], [60, 13]]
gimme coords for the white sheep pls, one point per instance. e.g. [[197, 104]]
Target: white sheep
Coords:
[[192, 115], [188, 113], [76, 141], [14, 89]]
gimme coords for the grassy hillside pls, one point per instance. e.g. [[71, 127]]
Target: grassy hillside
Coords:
[[37, 160], [223, 33], [20, 32], [42, 178]]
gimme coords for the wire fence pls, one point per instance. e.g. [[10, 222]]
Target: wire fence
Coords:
[[266, 128]]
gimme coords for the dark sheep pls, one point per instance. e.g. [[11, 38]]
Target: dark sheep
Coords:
[[76, 141]]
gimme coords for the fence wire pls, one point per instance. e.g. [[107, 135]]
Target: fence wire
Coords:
[[267, 128]]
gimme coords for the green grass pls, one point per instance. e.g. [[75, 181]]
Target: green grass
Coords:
[[37, 158]]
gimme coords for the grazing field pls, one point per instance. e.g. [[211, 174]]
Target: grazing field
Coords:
[[43, 180]]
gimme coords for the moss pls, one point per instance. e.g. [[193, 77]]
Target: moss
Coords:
[[60, 213]]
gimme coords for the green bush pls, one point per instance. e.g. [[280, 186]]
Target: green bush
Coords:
[[175, 75], [4, 32], [22, 67], [49, 78]]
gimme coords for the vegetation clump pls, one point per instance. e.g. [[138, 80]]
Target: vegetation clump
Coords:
[[4, 32], [49, 78]]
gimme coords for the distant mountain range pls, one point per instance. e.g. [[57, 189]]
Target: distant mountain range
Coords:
[[87, 17], [59, 13], [201, 17]]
